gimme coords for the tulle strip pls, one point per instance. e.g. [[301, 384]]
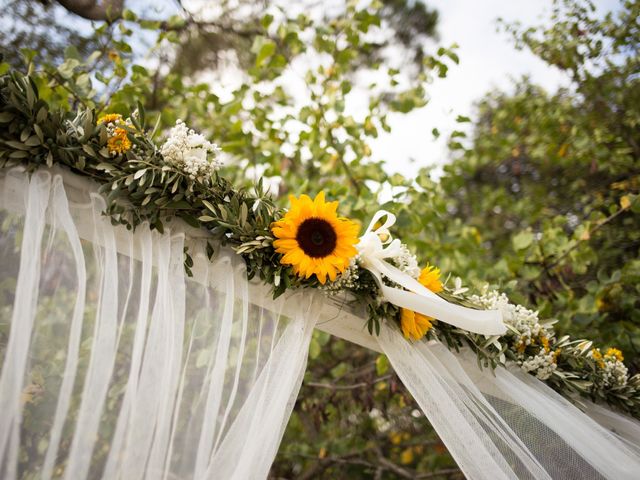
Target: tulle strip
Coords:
[[116, 365], [508, 424]]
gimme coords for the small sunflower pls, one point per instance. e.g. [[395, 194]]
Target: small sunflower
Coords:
[[614, 353], [415, 325], [597, 356], [313, 239], [110, 118], [119, 143], [430, 278]]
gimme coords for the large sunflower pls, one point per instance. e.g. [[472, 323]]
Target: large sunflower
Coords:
[[414, 325], [313, 239]]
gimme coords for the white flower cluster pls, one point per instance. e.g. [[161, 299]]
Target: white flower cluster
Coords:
[[525, 321], [189, 151], [117, 123], [530, 332], [544, 363], [407, 262], [345, 280], [614, 372]]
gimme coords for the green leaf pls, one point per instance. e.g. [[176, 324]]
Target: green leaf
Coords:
[[266, 21], [129, 15], [6, 117], [139, 173], [17, 145], [263, 48], [67, 68], [107, 167], [314, 349], [89, 150], [208, 204], [202, 358], [522, 240], [32, 141], [382, 365]]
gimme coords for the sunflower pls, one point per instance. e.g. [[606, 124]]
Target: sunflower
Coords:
[[119, 142], [415, 325], [614, 353], [430, 278], [110, 118], [313, 239]]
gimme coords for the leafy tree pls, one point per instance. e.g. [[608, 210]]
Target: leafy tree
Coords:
[[204, 35], [541, 199], [550, 180]]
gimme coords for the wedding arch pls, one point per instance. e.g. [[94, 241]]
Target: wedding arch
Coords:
[[155, 321]]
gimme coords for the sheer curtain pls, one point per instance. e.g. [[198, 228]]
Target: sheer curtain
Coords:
[[506, 424], [115, 364]]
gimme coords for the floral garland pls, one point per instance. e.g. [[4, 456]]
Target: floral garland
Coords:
[[309, 245]]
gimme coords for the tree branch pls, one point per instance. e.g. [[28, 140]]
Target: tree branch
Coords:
[[99, 10], [353, 386]]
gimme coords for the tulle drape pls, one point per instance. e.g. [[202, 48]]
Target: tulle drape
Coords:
[[115, 364], [506, 424]]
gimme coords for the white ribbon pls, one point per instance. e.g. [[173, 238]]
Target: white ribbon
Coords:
[[373, 252]]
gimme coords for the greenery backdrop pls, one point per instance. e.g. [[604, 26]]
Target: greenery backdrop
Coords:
[[540, 198]]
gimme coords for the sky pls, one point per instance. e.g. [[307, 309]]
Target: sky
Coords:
[[488, 60]]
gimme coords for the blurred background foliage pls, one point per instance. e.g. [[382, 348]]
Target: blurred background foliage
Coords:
[[540, 197]]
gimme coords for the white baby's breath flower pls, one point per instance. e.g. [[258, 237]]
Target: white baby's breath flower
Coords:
[[196, 140], [344, 281], [525, 321], [406, 261], [615, 373], [531, 332], [543, 364], [379, 420], [191, 152]]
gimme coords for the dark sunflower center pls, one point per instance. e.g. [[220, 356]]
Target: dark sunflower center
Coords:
[[316, 237]]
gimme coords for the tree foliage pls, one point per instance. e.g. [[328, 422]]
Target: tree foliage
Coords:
[[540, 198], [550, 180]]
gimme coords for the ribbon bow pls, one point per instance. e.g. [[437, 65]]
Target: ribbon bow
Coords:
[[376, 245]]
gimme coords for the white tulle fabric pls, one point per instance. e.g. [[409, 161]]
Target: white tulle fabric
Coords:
[[116, 365], [506, 424]]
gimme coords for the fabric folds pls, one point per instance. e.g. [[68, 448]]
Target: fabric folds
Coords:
[[117, 365], [506, 424]]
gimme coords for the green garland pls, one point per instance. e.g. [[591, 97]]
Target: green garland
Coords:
[[140, 185]]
